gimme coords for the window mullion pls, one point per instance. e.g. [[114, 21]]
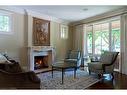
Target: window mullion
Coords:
[[93, 41], [86, 32], [110, 37], [101, 36]]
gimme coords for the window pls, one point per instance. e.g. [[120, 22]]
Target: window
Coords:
[[97, 38], [64, 32], [115, 33], [103, 37], [5, 22]]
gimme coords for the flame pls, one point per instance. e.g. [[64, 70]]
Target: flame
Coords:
[[40, 61]]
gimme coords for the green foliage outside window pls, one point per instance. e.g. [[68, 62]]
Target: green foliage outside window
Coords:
[[116, 39], [4, 23], [101, 40], [89, 41]]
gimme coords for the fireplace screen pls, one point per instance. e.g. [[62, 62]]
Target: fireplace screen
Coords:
[[40, 62]]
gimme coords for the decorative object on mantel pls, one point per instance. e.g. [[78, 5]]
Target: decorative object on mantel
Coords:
[[41, 32]]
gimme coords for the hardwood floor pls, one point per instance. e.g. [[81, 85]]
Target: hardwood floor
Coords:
[[119, 82]]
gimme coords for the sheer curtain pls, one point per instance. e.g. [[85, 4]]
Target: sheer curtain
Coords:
[[84, 42], [78, 37], [124, 43]]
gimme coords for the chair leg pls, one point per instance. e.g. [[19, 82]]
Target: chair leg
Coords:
[[100, 76], [112, 75], [89, 72]]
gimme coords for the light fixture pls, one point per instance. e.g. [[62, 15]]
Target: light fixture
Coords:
[[85, 9]]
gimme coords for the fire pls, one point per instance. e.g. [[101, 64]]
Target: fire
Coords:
[[39, 62]]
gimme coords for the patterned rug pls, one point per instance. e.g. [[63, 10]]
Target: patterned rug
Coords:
[[82, 80]]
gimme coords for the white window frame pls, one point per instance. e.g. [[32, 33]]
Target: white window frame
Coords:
[[64, 31], [101, 31], [93, 37], [8, 14]]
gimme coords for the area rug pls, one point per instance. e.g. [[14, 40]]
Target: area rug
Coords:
[[82, 80]]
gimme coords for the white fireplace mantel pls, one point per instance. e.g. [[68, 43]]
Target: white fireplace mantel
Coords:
[[40, 51], [41, 48]]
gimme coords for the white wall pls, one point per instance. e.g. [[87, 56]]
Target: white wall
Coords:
[[78, 37], [61, 45], [14, 43]]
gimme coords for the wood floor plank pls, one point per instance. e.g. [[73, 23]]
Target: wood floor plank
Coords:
[[119, 82]]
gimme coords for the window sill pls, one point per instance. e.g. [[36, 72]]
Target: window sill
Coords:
[[6, 33]]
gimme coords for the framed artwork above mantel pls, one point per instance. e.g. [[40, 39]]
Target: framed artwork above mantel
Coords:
[[41, 32]]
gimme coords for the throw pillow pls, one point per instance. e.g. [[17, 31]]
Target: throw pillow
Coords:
[[3, 59]]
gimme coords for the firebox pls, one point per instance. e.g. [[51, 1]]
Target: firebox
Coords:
[[40, 62]]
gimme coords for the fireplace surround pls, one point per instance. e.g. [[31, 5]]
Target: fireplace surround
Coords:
[[40, 57]]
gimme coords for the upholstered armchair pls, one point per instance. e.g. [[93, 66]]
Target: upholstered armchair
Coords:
[[12, 76], [73, 56], [105, 65]]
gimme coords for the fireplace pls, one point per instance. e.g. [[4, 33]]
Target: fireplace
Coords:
[[40, 58], [40, 62]]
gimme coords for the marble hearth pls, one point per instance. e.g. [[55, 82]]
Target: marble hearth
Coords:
[[38, 51]]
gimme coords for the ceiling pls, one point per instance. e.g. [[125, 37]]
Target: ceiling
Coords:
[[70, 13]]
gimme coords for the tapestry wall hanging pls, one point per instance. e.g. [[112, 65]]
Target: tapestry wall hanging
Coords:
[[41, 32]]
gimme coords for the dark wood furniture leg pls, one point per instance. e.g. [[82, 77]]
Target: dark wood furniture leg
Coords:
[[75, 72], [62, 75], [52, 72]]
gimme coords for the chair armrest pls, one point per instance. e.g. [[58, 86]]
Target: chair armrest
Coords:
[[33, 76], [22, 75], [62, 59], [105, 65], [94, 61], [115, 57]]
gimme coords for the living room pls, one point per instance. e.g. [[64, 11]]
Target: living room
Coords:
[[63, 30]]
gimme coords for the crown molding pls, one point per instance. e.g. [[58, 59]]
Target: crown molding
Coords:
[[101, 16], [33, 13], [46, 17], [12, 9]]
